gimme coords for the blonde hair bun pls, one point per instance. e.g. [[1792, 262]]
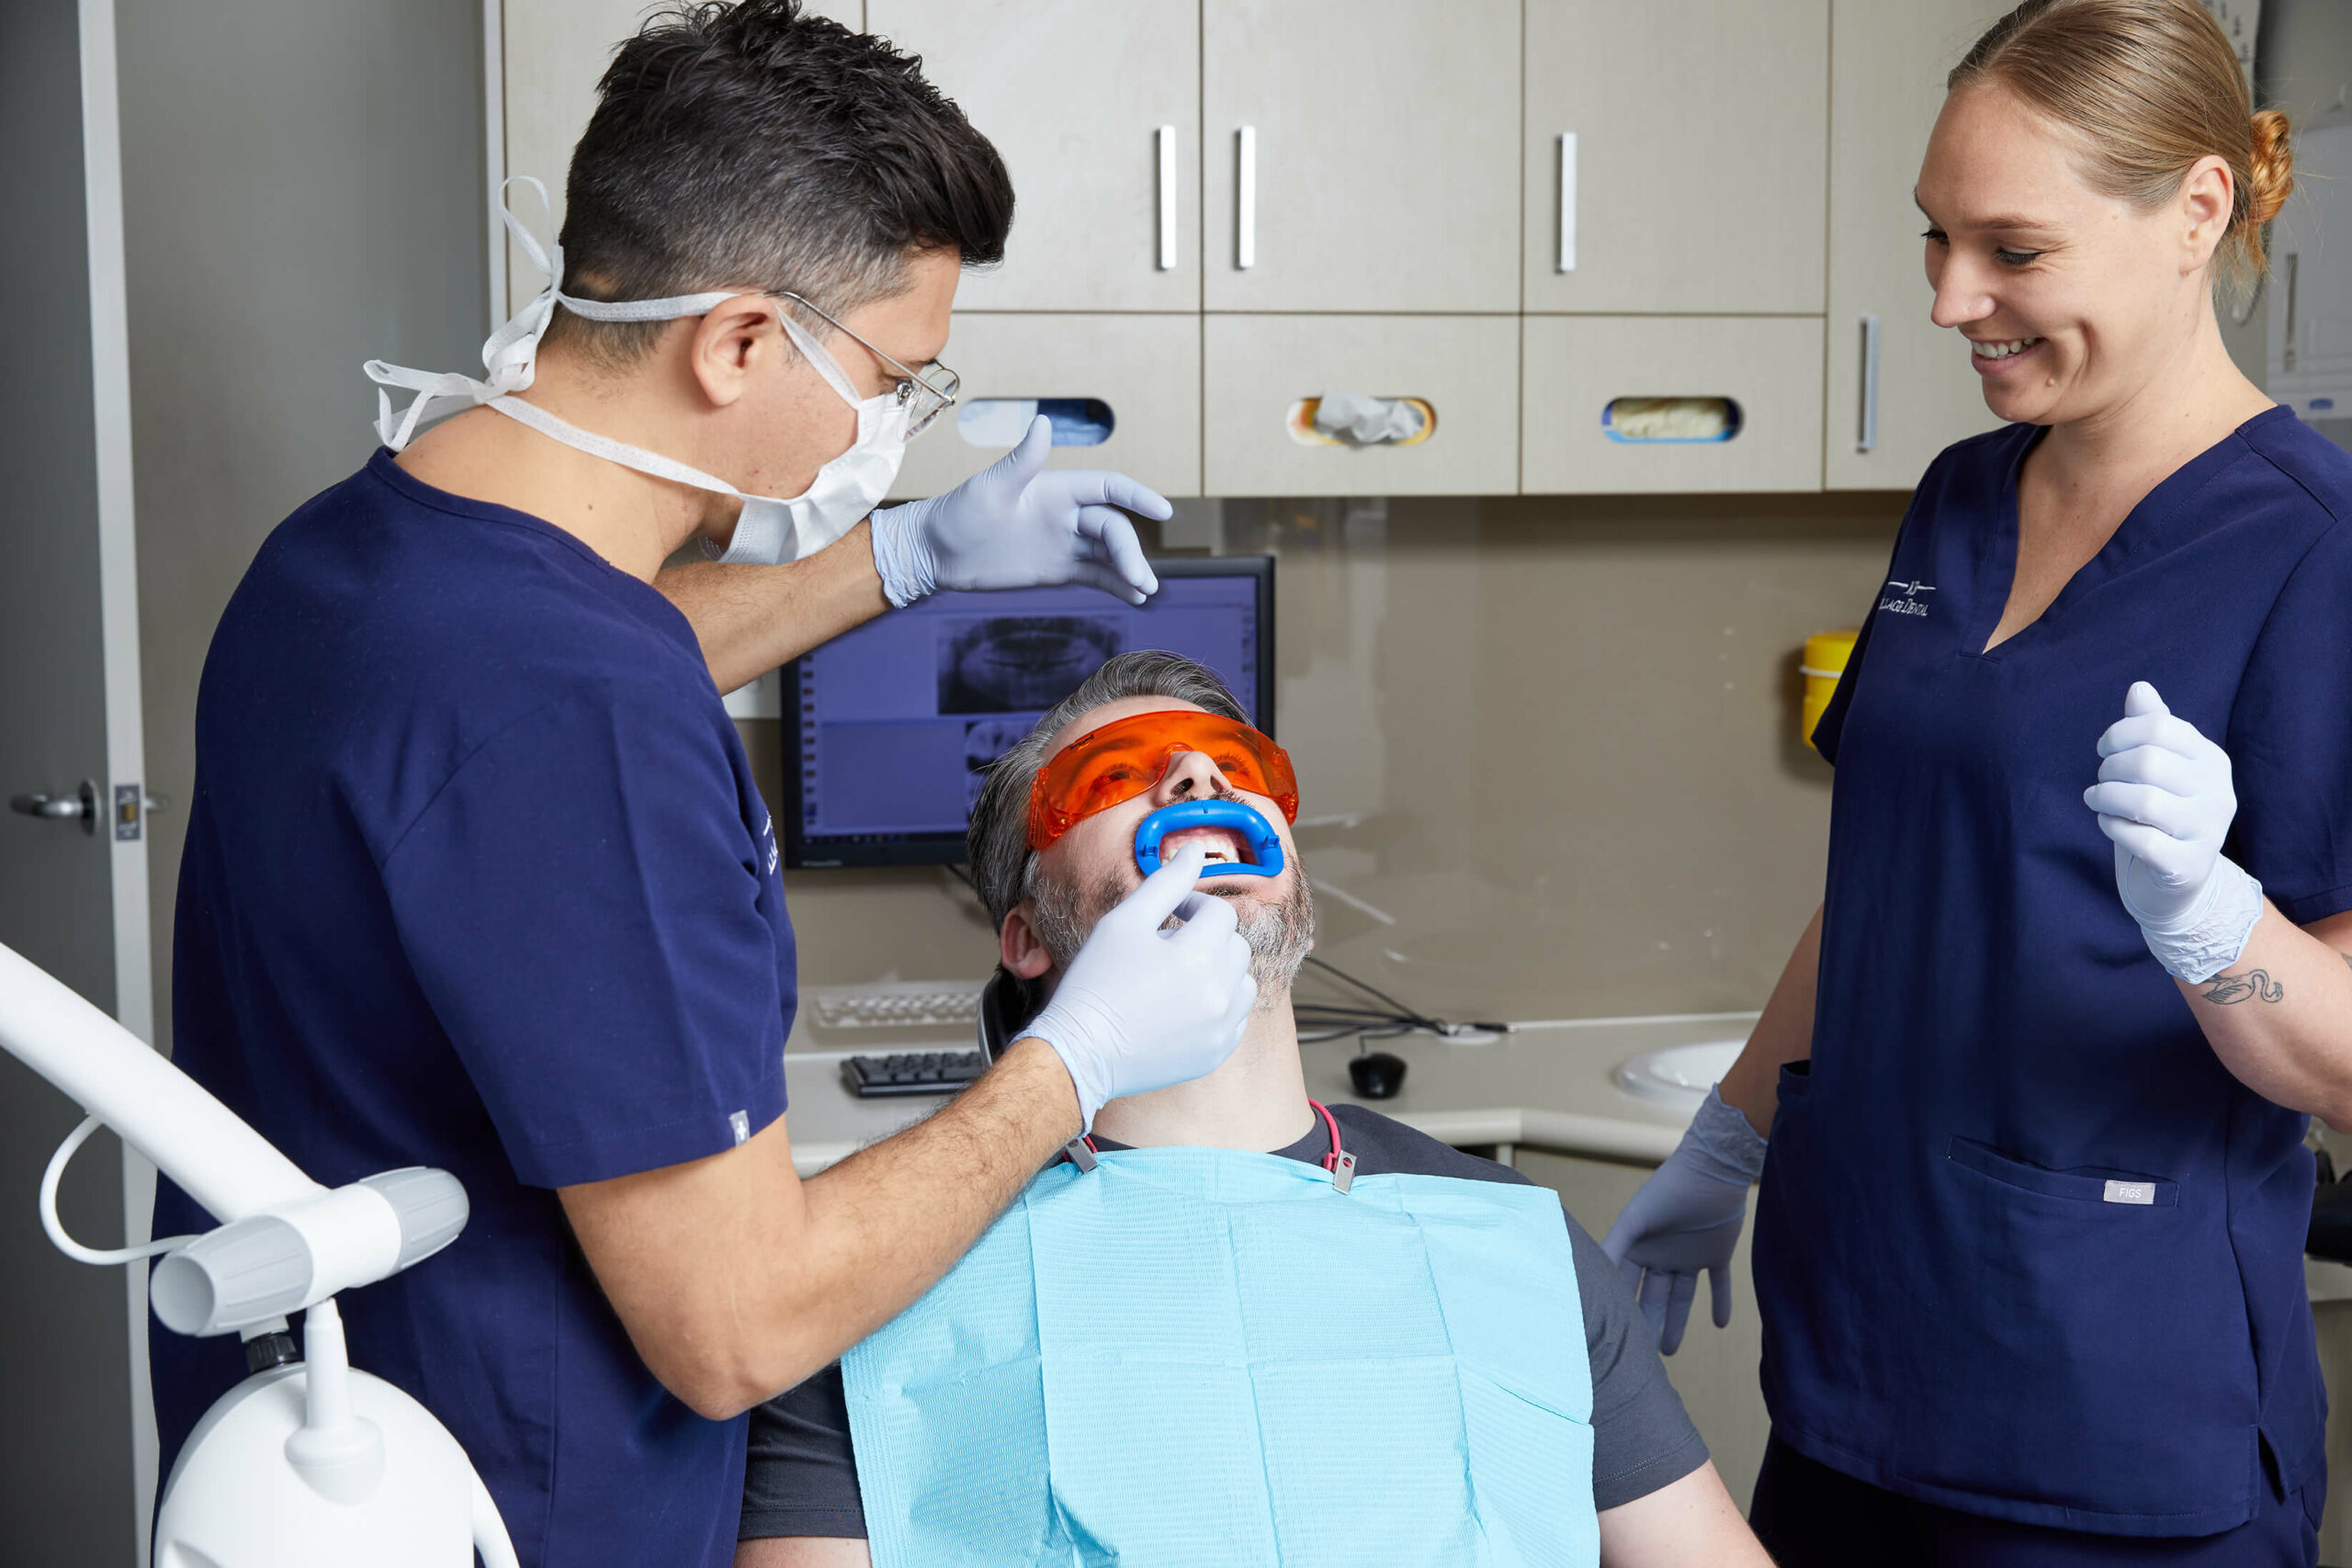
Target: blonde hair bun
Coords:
[[2271, 178]]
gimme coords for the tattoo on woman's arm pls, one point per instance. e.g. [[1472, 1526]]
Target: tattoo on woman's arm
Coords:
[[2254, 984]]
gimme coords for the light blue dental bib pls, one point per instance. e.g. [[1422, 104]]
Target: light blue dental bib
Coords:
[[1207, 1357]]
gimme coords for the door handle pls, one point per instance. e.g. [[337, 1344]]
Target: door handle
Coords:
[[83, 804], [1245, 200], [1167, 199], [1568, 236], [1866, 430]]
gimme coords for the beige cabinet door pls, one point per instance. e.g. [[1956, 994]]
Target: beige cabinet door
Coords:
[[1675, 154], [1096, 107], [1900, 387], [1257, 371], [1595, 386], [1138, 374], [554, 53], [1360, 157]]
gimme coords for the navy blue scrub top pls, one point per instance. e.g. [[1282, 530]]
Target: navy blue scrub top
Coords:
[[475, 878], [1955, 1307]]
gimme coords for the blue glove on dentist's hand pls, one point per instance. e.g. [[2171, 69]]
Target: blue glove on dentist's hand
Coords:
[[1016, 524], [1686, 1217], [1140, 1007]]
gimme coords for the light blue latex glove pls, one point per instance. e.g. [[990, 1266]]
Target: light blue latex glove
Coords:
[[2164, 799], [1016, 524], [1140, 1007], [1687, 1217]]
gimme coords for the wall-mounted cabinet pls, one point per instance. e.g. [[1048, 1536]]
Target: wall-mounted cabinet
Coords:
[[1126, 385], [1900, 388], [1620, 404], [1675, 154], [1362, 157], [1102, 132], [1228, 207], [1259, 371]]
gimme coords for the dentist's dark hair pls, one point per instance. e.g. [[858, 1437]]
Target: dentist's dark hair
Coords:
[[752, 145], [1004, 868]]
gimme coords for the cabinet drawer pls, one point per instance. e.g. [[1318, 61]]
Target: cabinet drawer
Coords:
[[1257, 369], [1578, 366], [1145, 370]]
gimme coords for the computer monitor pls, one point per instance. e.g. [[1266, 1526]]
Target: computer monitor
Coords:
[[888, 729]]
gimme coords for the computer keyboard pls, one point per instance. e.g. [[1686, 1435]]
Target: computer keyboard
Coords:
[[894, 1004], [912, 1072]]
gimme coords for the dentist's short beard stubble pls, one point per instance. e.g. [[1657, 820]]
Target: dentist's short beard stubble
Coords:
[[1279, 934]]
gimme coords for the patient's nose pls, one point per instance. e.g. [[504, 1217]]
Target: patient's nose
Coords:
[[1190, 776]]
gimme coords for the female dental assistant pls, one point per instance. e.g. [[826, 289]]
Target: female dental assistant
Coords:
[[2029, 1246]]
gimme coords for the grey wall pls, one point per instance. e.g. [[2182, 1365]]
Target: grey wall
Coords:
[[303, 190]]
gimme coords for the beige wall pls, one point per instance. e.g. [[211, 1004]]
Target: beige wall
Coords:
[[1547, 751]]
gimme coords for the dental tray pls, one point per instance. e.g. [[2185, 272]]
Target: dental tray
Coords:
[[912, 1072]]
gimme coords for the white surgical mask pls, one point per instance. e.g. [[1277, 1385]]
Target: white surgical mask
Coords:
[[771, 529]]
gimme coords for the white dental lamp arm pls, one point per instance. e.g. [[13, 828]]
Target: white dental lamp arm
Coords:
[[297, 1465], [193, 1138]]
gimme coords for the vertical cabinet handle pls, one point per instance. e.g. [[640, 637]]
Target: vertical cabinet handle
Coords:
[[1245, 200], [2294, 266], [1567, 201], [1866, 431], [1167, 199]]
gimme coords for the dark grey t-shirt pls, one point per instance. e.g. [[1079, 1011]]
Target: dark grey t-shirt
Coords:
[[801, 1477]]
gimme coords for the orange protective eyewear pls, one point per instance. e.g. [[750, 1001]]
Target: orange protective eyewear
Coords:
[[1126, 757]]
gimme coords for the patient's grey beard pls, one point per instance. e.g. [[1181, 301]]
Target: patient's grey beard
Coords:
[[1278, 935]]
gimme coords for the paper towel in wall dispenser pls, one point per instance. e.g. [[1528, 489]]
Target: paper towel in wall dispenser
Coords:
[[1352, 418], [1670, 419], [1002, 422]]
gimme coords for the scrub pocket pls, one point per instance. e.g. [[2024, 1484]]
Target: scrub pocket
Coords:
[[2097, 1355]]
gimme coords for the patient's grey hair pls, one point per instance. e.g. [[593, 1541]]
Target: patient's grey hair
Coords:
[[1004, 869]]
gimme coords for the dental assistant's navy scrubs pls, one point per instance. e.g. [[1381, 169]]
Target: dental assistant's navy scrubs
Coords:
[[2025, 1249], [475, 878]]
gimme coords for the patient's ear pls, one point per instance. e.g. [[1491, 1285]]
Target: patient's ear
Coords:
[[1018, 944]]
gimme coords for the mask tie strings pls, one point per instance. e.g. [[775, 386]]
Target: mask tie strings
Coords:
[[510, 354]]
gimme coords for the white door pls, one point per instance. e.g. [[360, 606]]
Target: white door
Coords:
[[1675, 155], [551, 54], [1900, 387], [73, 867], [1095, 106], [1360, 157]]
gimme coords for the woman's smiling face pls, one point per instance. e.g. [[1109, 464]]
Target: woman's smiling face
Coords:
[[2073, 300]]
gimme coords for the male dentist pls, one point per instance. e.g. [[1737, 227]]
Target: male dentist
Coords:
[[476, 873]]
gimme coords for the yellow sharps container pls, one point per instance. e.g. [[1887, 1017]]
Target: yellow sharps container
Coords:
[[1825, 659]]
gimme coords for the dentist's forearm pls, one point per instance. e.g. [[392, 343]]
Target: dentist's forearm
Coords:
[[736, 1280], [1783, 1034], [2280, 1018], [750, 619]]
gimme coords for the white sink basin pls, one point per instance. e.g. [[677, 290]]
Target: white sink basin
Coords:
[[1678, 1076]]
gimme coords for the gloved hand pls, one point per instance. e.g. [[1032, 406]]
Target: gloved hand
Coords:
[[1687, 1217], [2165, 800], [1014, 524], [1139, 1009]]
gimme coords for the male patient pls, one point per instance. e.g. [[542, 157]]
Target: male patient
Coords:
[[1236, 1328]]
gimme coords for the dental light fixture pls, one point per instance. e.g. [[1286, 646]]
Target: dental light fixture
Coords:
[[303, 1464]]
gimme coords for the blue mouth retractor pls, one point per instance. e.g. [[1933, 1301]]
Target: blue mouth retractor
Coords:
[[1259, 842]]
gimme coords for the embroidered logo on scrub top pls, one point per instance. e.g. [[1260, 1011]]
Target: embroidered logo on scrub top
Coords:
[[1910, 603], [767, 831]]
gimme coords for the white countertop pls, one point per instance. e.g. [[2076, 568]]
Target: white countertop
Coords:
[[1548, 1086]]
